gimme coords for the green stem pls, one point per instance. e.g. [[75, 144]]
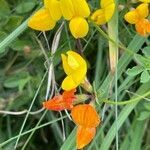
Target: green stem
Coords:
[[128, 101], [113, 58], [33, 129]]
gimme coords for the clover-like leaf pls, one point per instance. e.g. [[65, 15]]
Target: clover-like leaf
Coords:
[[135, 70], [145, 76]]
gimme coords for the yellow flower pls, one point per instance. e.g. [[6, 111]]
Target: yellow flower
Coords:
[[41, 20], [75, 67], [74, 10], [54, 8], [137, 14], [138, 17], [105, 13], [79, 27]]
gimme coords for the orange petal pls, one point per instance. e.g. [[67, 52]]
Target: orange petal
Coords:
[[85, 115], [57, 104], [148, 27], [142, 27], [69, 96], [84, 136]]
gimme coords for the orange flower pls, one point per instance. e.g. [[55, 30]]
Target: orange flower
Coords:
[[138, 17], [61, 102], [87, 119]]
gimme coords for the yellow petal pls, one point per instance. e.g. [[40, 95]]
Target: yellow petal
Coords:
[[67, 9], [104, 3], [131, 17], [81, 8], [41, 20], [142, 10], [109, 11], [72, 62], [68, 83], [99, 17], [79, 27], [84, 136], [68, 70], [78, 58], [54, 8], [137, 14], [79, 75]]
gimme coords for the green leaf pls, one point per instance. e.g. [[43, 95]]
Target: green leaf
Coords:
[[25, 7], [13, 23], [145, 76], [147, 105], [20, 44], [4, 8], [135, 70], [144, 115], [4, 12], [18, 80], [146, 51], [12, 36], [143, 61]]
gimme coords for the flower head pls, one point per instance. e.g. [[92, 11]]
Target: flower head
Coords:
[[138, 17], [74, 11], [105, 13], [141, 12], [87, 119], [61, 102], [75, 67]]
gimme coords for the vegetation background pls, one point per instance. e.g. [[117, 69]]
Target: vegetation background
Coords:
[[23, 82]]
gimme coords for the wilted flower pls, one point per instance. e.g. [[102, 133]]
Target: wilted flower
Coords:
[[61, 102], [87, 119]]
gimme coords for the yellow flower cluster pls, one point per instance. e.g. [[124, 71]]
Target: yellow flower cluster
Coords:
[[138, 16], [75, 11]]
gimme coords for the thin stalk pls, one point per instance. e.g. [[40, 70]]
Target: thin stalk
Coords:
[[136, 99], [113, 57], [26, 132], [30, 136], [24, 122]]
